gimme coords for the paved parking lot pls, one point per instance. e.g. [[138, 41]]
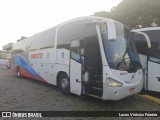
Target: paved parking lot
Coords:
[[30, 95]]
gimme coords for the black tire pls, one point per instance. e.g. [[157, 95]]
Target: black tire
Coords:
[[64, 84], [19, 73]]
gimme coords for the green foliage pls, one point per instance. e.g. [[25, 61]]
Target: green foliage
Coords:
[[135, 13]]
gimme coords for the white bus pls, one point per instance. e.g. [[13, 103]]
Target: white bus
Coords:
[[149, 56], [90, 56]]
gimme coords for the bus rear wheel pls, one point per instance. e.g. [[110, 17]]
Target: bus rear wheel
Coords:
[[64, 84]]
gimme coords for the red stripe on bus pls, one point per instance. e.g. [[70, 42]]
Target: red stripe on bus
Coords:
[[29, 75]]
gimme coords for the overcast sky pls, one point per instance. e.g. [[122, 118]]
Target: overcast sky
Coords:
[[27, 17]]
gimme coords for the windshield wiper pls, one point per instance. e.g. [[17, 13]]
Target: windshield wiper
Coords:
[[118, 64]]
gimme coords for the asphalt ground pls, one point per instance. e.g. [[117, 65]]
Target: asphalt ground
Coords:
[[25, 94]]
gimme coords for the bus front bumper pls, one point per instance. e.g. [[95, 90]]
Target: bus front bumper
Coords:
[[117, 93]]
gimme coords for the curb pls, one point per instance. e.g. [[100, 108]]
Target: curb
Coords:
[[151, 98]]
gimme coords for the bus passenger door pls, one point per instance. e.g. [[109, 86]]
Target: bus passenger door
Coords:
[[76, 61]]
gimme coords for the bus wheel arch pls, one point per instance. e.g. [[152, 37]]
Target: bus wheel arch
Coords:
[[63, 82]]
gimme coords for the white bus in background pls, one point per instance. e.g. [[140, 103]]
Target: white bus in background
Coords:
[[149, 56], [89, 56], [3, 62]]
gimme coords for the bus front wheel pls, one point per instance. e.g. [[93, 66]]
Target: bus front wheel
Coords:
[[64, 84]]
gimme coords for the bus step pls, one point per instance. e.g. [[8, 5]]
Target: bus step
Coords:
[[91, 95], [98, 81], [98, 84], [97, 75], [96, 88]]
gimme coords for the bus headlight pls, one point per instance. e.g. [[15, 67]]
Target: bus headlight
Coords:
[[113, 83]]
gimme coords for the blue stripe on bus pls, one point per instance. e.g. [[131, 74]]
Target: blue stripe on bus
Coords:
[[22, 62]]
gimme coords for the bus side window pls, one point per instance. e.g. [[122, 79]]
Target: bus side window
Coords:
[[154, 53], [141, 41], [70, 31], [77, 50], [76, 57]]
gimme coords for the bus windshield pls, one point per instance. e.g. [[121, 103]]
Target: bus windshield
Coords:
[[121, 53]]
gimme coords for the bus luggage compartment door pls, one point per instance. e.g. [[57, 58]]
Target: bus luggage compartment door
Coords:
[[153, 76]]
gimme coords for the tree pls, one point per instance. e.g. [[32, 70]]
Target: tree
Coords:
[[135, 13]]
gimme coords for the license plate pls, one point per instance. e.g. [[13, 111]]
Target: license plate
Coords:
[[131, 90]]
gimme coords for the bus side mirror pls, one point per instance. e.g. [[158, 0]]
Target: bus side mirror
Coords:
[[146, 37], [111, 30]]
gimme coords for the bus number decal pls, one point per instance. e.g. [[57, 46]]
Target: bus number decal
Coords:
[[123, 73]]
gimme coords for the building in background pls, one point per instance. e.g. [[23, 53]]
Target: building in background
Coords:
[[5, 55], [5, 58], [8, 47]]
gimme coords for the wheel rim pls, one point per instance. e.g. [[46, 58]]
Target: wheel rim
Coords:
[[64, 83]]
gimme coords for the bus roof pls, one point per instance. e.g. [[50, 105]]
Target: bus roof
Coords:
[[82, 18], [147, 29]]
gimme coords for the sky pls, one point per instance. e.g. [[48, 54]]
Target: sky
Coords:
[[28, 17]]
